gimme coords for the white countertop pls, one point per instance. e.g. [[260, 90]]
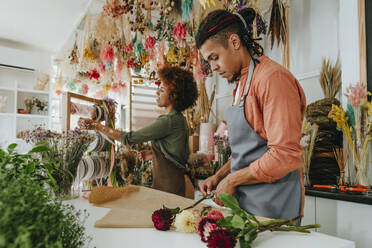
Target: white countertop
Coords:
[[150, 237]]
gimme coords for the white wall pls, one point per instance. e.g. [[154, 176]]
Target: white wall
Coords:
[[314, 32]]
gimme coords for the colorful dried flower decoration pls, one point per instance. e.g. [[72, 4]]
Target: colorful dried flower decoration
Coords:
[[187, 6], [128, 48], [150, 43], [357, 95], [179, 31], [116, 8], [207, 3], [102, 67], [93, 74], [84, 89], [107, 54]]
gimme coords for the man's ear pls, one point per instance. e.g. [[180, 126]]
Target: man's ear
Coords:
[[235, 41]]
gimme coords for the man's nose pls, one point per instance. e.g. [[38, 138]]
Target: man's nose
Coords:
[[214, 66]]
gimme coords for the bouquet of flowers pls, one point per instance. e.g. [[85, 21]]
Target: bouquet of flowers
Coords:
[[66, 151], [356, 124], [216, 229]]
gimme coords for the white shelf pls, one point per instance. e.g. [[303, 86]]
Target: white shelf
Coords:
[[7, 88], [31, 116], [33, 91], [6, 114]]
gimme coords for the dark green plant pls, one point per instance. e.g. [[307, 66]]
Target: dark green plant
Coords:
[[30, 217], [32, 164], [246, 227]]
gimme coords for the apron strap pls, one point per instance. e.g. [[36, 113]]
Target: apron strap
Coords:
[[249, 79]]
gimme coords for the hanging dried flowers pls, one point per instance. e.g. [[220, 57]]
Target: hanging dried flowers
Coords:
[[128, 48], [116, 8], [277, 29], [102, 67], [187, 6], [71, 85], [207, 3], [179, 31], [150, 43], [163, 29], [107, 54], [84, 89], [73, 55], [140, 23], [171, 55], [105, 28], [93, 74]]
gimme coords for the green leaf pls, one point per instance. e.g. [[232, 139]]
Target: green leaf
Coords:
[[237, 222], [174, 211], [244, 244], [229, 201], [225, 222], [40, 149], [11, 147], [41, 143]]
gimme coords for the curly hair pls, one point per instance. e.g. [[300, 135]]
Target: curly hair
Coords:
[[183, 88]]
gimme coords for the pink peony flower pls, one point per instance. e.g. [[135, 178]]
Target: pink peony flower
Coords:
[[221, 238], [204, 226], [215, 215], [84, 89], [107, 54], [179, 31], [150, 43], [162, 219], [128, 48]]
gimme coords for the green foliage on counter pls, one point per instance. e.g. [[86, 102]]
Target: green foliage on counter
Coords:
[[246, 227], [29, 215]]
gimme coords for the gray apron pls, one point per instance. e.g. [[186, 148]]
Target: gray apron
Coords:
[[280, 199]]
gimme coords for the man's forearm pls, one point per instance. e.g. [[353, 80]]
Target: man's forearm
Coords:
[[111, 133], [224, 170], [242, 177]]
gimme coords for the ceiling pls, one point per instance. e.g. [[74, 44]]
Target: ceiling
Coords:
[[41, 24]]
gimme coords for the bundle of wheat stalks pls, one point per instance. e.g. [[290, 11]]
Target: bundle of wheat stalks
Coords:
[[330, 78]]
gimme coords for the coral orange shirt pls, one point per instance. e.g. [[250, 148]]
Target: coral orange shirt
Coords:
[[275, 108]]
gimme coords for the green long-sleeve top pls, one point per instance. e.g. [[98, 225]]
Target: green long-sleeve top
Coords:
[[169, 133]]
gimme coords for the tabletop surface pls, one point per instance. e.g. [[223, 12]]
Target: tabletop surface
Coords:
[[150, 237]]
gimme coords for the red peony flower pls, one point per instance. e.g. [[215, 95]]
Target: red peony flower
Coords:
[[204, 226], [215, 215], [128, 48], [221, 238], [93, 74], [162, 219], [157, 83], [131, 63]]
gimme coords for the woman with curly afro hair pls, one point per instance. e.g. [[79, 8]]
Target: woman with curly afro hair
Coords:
[[169, 134]]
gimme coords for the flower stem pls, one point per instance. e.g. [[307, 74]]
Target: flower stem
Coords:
[[207, 196]]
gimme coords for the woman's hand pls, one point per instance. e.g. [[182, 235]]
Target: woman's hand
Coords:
[[87, 124], [145, 155]]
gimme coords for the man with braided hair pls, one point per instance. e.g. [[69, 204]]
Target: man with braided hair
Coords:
[[264, 123]]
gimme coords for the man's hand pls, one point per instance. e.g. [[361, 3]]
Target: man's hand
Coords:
[[87, 124], [209, 184], [145, 155], [225, 186]]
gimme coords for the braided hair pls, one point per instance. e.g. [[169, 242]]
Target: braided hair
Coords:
[[220, 24]]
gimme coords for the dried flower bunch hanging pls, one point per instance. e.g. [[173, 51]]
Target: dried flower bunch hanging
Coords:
[[330, 78], [277, 28], [105, 28], [73, 55], [116, 8]]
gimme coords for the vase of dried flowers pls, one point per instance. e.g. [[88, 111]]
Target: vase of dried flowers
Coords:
[[356, 124], [29, 105], [66, 151]]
